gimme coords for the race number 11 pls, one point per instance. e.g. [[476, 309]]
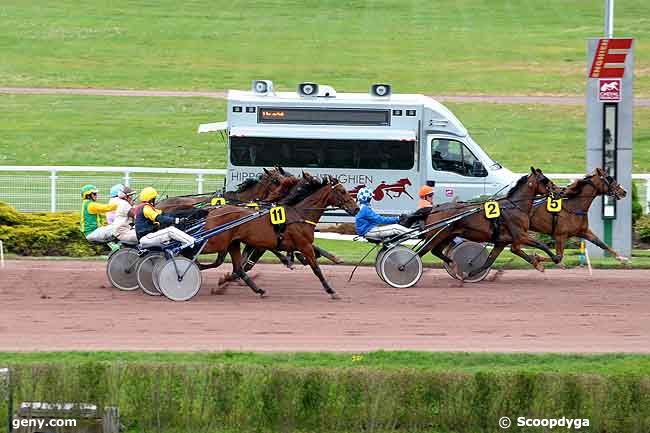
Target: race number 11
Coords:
[[492, 209], [278, 215], [553, 204]]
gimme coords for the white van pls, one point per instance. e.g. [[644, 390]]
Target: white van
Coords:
[[390, 143]]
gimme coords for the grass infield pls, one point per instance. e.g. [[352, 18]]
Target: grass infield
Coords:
[[458, 46], [161, 132]]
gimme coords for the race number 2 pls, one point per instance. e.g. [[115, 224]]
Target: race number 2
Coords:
[[492, 209], [278, 215], [553, 204]]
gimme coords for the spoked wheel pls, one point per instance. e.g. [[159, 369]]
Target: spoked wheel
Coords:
[[380, 255], [121, 269], [401, 267], [469, 256], [145, 272], [179, 279]]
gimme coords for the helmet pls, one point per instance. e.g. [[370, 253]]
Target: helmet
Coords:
[[148, 194], [88, 189], [364, 196], [116, 190], [126, 192], [425, 191]]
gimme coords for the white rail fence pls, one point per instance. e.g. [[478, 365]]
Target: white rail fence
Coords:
[[56, 188]]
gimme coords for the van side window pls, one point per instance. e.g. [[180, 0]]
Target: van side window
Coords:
[[323, 153], [454, 156]]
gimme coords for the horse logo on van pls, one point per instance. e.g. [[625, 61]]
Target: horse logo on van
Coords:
[[391, 190]]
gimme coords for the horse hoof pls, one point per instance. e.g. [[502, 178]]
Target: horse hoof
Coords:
[[540, 267], [334, 296], [622, 259], [262, 295], [338, 260], [557, 259]]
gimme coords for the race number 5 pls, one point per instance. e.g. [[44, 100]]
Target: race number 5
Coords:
[[218, 201], [492, 209], [553, 204], [278, 215]]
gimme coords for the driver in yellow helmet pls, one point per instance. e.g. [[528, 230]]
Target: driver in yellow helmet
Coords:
[[149, 223]]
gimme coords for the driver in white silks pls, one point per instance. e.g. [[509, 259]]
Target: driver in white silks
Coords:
[[154, 229], [372, 225]]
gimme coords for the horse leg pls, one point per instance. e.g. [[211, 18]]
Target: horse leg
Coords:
[[238, 269], [310, 257], [217, 262], [285, 259], [329, 256], [527, 240], [535, 260], [560, 242], [591, 237], [496, 251]]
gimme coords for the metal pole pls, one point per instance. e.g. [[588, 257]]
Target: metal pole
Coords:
[[609, 18], [53, 191], [199, 179], [126, 178], [2, 255]]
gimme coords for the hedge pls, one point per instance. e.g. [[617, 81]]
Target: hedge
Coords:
[[160, 397], [44, 234], [642, 227]]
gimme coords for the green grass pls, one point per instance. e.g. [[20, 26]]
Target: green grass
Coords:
[[607, 364], [353, 252], [121, 131], [466, 46]]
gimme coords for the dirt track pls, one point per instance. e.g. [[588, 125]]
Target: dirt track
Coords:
[[57, 305]]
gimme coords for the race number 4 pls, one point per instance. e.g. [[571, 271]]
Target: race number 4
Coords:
[[278, 215], [492, 209], [218, 201], [553, 204]]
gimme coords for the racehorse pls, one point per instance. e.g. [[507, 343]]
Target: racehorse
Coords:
[[247, 191], [511, 228], [303, 207], [573, 219]]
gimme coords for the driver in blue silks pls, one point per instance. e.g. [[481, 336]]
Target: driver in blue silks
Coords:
[[370, 224]]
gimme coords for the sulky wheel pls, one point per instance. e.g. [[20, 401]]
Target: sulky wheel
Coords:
[[179, 279], [469, 256], [401, 267], [121, 269], [380, 255], [145, 272]]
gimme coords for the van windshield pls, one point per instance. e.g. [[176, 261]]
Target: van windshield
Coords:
[[454, 156], [322, 153], [489, 162]]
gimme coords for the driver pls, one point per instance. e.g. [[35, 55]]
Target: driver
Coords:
[[149, 220], [370, 224]]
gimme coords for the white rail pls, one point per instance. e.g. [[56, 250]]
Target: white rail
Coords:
[[62, 191], [172, 180]]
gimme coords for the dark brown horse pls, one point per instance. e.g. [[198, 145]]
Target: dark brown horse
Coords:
[[511, 228], [249, 190], [573, 219], [303, 208]]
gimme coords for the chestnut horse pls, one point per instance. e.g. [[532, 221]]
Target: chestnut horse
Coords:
[[303, 207], [249, 190], [511, 228], [573, 219]]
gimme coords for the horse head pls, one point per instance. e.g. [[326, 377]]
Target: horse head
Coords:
[[605, 184], [339, 196]]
